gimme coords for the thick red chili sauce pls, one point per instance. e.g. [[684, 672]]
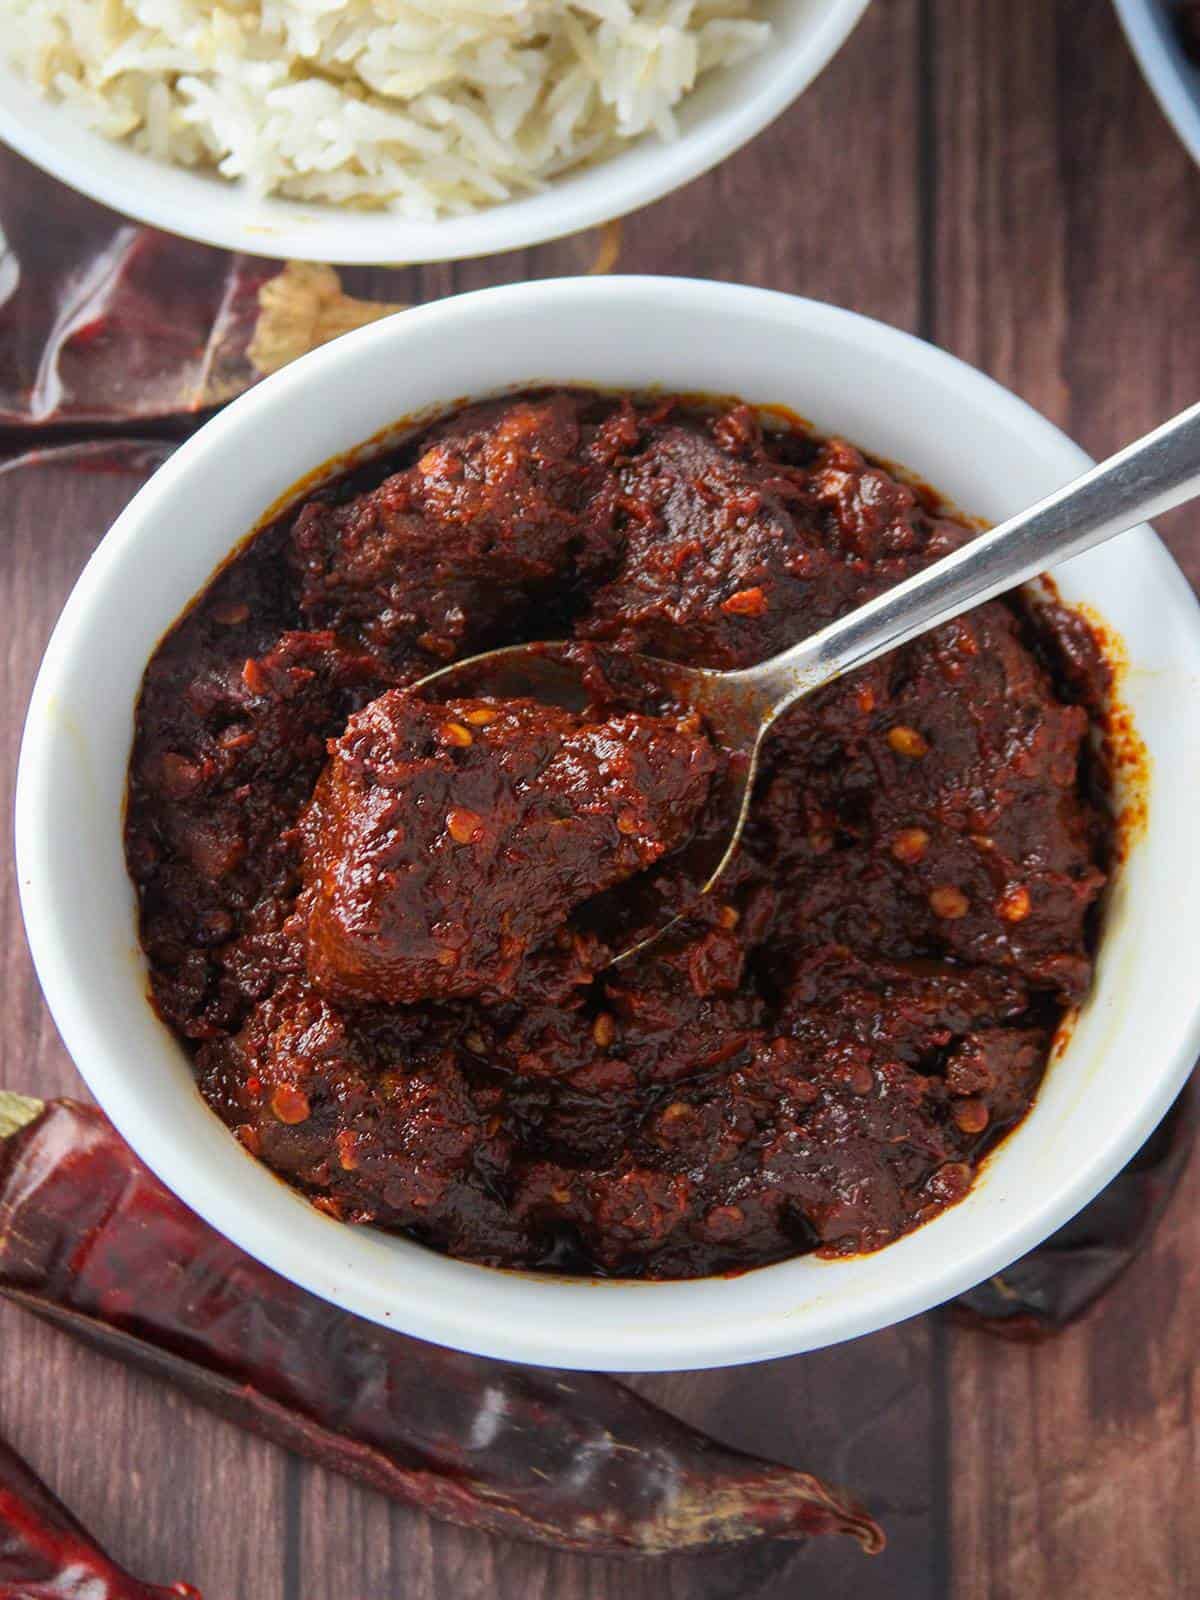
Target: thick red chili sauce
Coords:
[[355, 905]]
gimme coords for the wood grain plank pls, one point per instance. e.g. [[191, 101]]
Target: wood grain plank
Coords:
[[1074, 1462], [1133, 255], [999, 279], [169, 1490], [1067, 265]]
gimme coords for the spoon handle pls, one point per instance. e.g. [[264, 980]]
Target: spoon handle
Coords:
[[1156, 473]]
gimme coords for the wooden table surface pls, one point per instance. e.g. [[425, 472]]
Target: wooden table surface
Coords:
[[994, 175]]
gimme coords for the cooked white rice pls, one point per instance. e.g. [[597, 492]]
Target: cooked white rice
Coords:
[[430, 106]]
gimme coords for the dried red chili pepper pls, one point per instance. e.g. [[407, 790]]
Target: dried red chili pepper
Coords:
[[103, 321], [92, 1241], [1056, 1284], [46, 1555]]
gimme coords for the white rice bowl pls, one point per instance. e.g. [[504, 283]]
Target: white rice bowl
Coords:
[[427, 107]]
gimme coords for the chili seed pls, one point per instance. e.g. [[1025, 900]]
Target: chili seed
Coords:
[[1015, 904], [604, 1030], [728, 917], [231, 613], [627, 821], [906, 741], [910, 844], [746, 603], [971, 1116], [447, 957], [865, 696], [561, 1196], [677, 1111], [476, 1042], [949, 902], [290, 1104], [347, 1149], [255, 678], [249, 1138], [455, 733], [464, 827], [481, 716]]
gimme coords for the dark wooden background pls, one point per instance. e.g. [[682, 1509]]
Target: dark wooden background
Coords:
[[994, 175]]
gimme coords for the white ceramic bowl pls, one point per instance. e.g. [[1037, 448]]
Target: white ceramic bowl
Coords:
[[727, 109], [1174, 79], [904, 400]]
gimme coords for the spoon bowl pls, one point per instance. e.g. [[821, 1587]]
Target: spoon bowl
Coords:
[[565, 673]]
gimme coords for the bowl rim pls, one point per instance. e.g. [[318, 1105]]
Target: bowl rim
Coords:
[[203, 208], [1173, 79], [439, 1298]]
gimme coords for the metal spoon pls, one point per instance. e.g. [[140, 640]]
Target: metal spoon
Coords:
[[1155, 474]]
